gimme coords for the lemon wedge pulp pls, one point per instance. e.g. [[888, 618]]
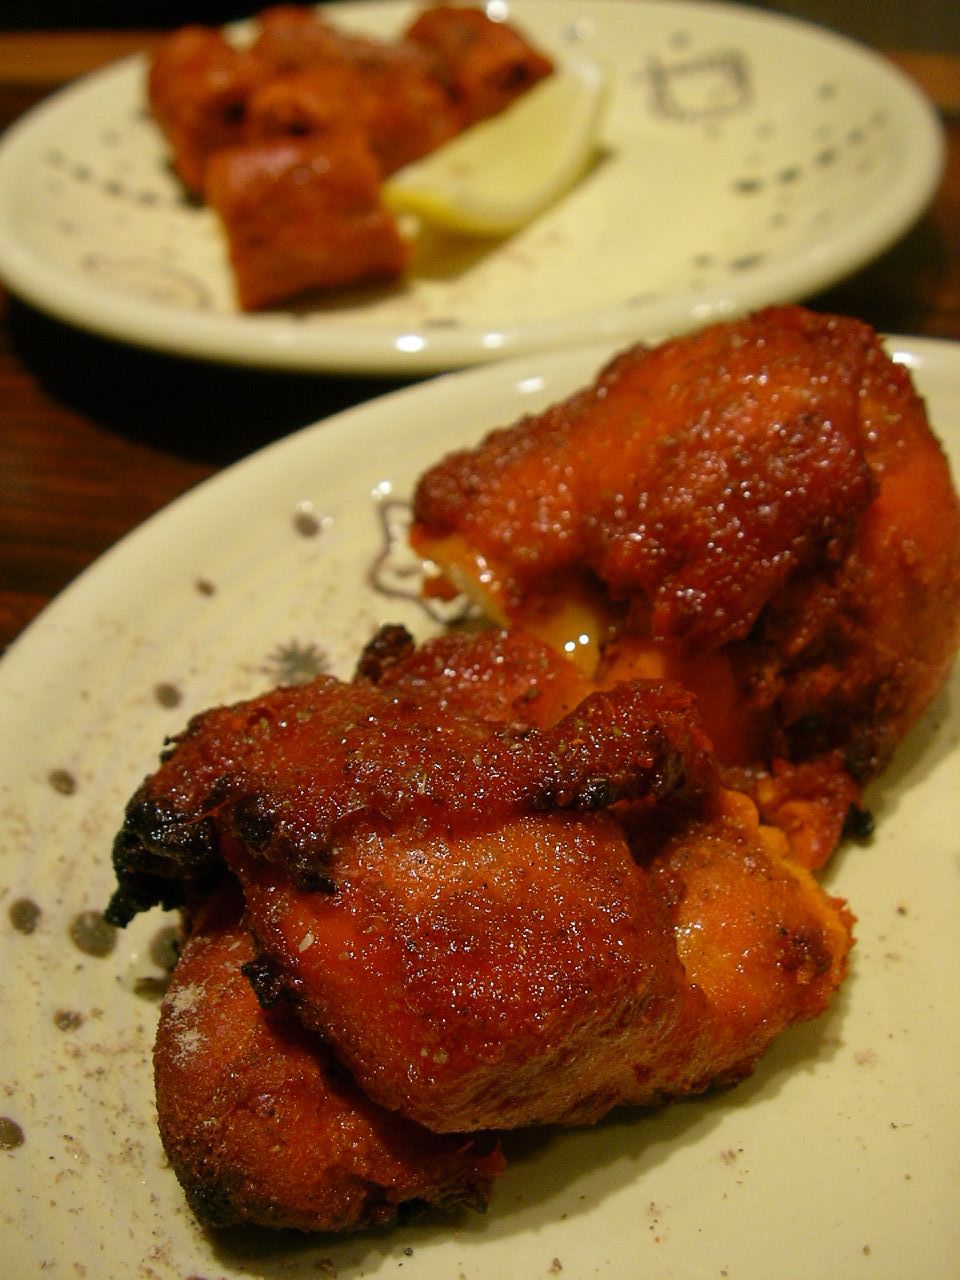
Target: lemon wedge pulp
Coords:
[[498, 175]]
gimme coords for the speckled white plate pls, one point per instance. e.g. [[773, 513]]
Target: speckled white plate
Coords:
[[840, 1157], [746, 158]]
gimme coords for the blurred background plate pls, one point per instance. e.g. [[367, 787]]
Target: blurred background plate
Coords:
[[746, 158]]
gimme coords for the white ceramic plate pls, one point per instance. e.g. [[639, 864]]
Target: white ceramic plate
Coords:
[[746, 159], [840, 1157]]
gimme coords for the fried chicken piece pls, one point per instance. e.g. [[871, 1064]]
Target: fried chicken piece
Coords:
[[299, 77], [758, 510], [756, 935], [291, 37], [262, 1125], [813, 802], [485, 918], [500, 676], [293, 774], [306, 102], [463, 64], [390, 91], [538, 974], [198, 89], [400, 109], [485, 64], [303, 213], [490, 979]]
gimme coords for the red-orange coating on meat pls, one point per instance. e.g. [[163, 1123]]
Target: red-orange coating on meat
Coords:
[[493, 675], [485, 917], [262, 1125], [198, 89], [488, 980], [699, 474], [765, 496], [290, 772], [302, 213], [484, 63], [396, 104]]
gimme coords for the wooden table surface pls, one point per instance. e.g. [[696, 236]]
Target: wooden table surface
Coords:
[[95, 436]]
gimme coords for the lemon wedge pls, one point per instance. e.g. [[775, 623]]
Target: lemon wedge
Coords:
[[498, 175]]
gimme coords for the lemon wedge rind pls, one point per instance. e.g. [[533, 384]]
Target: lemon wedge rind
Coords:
[[500, 174]]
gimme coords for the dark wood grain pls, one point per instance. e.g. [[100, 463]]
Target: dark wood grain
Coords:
[[96, 436]]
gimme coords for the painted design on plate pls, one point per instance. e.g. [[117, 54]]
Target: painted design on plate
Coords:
[[167, 695], [397, 572], [11, 1135], [24, 915], [146, 278], [294, 662], [308, 522], [68, 1020], [111, 177], [62, 781], [712, 85], [90, 934]]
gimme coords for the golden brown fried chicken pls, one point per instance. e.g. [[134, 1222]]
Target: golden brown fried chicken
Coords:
[[493, 921], [262, 1125], [462, 64], [300, 76], [401, 112], [291, 37], [303, 213], [503, 677], [484, 63], [757, 938], [198, 89], [294, 773], [758, 510], [392, 91], [491, 980]]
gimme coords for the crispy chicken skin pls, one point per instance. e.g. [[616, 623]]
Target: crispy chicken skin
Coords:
[[508, 678], [479, 63], [452, 67], [491, 980], [262, 1125], [291, 37], [492, 920], [539, 974], [755, 934], [293, 774], [392, 92], [758, 510]]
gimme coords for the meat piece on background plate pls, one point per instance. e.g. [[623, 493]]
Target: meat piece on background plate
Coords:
[[302, 214], [198, 88]]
